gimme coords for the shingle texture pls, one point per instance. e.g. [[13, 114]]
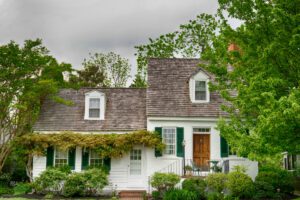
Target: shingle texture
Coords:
[[168, 90], [125, 110]]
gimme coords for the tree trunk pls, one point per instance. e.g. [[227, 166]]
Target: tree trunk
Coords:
[[4, 152], [29, 167]]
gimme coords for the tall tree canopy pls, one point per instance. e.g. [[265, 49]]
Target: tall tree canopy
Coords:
[[27, 75], [103, 70], [264, 70]]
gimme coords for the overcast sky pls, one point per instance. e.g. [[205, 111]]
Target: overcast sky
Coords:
[[71, 29]]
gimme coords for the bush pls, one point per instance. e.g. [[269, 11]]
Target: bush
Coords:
[[216, 182], [5, 179], [96, 180], [22, 188], [240, 185], [195, 185], [281, 180], [164, 181], [5, 190], [177, 194], [74, 185], [155, 195], [264, 190], [85, 183], [50, 181]]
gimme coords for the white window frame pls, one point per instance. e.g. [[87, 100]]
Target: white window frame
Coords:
[[90, 157], [140, 162], [175, 141], [55, 153], [94, 95], [199, 77]]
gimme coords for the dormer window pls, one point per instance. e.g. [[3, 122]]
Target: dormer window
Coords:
[[199, 91], [94, 106]]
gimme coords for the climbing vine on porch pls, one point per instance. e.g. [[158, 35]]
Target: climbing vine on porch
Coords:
[[107, 145]]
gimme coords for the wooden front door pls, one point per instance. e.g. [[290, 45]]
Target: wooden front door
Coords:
[[201, 151]]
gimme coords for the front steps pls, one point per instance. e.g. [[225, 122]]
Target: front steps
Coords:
[[132, 194]]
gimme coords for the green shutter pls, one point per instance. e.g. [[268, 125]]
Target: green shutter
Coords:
[[72, 156], [50, 157], [179, 139], [106, 163], [224, 147], [158, 153], [85, 158]]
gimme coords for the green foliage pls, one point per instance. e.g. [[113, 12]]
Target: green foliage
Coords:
[[239, 168], [177, 194], [96, 179], [240, 185], [5, 178], [50, 181], [217, 182], [138, 82], [263, 74], [215, 196], [164, 181], [281, 180], [28, 74], [65, 169], [156, 195], [107, 145], [22, 188], [196, 185], [103, 70], [265, 190], [74, 185], [5, 190]]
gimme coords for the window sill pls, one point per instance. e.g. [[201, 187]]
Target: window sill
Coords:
[[200, 101], [93, 119]]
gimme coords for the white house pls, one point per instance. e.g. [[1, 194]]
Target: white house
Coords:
[[177, 104]]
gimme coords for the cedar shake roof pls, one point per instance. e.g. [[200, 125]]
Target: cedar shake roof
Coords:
[[125, 111], [168, 90]]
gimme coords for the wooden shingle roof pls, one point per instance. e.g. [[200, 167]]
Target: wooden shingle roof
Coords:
[[168, 90], [125, 111]]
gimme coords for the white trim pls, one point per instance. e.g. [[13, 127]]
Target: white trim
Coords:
[[183, 119], [200, 76], [97, 95]]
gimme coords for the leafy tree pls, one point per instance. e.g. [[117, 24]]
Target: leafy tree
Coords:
[[103, 70], [138, 82], [259, 78], [27, 75]]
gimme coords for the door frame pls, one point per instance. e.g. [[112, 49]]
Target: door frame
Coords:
[[201, 133]]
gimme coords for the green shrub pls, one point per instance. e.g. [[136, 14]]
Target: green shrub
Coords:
[[5, 178], [85, 183], [215, 196], [195, 185], [22, 188], [216, 182], [281, 180], [96, 180], [65, 169], [264, 190], [74, 185], [240, 185], [164, 181], [155, 195], [177, 194], [5, 190], [50, 181]]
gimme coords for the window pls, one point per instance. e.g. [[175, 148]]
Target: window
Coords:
[[61, 157], [136, 162], [94, 109], [95, 160], [200, 90], [94, 106], [169, 138]]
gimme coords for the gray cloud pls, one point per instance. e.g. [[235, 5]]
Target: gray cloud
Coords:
[[72, 28]]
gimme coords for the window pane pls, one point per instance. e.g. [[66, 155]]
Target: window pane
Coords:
[[61, 157], [95, 159], [136, 162], [94, 103], [94, 113], [200, 90], [169, 138]]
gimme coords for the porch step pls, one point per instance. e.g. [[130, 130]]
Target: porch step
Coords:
[[135, 194]]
